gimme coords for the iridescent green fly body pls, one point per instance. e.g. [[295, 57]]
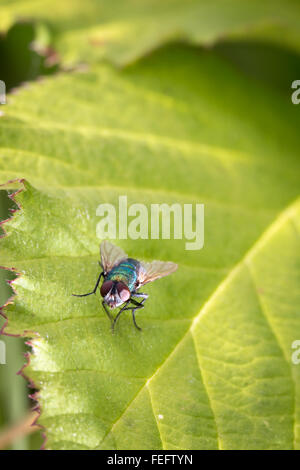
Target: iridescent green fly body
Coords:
[[122, 277]]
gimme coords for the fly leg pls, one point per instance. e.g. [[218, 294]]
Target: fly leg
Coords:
[[95, 288], [145, 297], [137, 305], [121, 310]]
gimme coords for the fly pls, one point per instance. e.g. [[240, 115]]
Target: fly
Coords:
[[122, 277]]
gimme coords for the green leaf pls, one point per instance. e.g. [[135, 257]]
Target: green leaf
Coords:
[[89, 30], [212, 367]]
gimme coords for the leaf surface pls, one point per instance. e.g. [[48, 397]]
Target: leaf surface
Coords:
[[212, 367]]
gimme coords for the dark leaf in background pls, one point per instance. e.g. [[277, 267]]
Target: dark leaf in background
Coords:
[[23, 57]]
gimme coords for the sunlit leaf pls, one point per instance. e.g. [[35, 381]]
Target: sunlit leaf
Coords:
[[212, 367]]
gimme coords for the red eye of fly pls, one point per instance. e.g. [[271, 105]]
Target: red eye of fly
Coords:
[[123, 291], [105, 288]]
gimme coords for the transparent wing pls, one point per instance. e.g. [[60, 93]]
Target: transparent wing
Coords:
[[110, 255], [156, 269]]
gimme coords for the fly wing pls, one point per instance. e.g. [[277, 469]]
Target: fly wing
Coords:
[[155, 270], [111, 255]]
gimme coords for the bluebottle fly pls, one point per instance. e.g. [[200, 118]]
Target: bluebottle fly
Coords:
[[122, 277]]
